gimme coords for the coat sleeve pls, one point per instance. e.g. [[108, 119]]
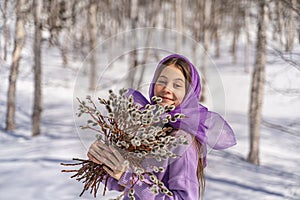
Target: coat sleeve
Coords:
[[112, 184], [182, 180]]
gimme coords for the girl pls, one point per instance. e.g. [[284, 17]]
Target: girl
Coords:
[[177, 82]]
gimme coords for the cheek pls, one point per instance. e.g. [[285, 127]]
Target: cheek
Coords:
[[180, 96], [157, 88]]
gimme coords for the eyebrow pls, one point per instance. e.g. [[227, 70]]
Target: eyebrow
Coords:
[[177, 79]]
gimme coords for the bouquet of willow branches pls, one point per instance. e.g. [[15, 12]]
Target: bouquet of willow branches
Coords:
[[140, 134]]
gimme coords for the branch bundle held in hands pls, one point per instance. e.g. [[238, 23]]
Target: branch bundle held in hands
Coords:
[[140, 134]]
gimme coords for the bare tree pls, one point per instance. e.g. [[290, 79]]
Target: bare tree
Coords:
[[19, 42], [167, 16], [247, 6], [216, 18], [53, 21], [235, 29], [152, 23], [179, 24], [196, 25], [291, 27], [133, 60], [92, 28], [298, 24], [279, 21], [37, 103], [206, 44], [65, 16], [6, 30], [257, 85]]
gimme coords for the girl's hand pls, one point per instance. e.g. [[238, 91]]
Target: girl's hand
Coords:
[[114, 162]]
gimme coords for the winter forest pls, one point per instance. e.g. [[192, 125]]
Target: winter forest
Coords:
[[246, 51]]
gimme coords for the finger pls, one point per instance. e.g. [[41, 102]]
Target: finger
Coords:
[[100, 157], [96, 150], [101, 153], [117, 154], [98, 146], [112, 156], [111, 153], [93, 159], [108, 154], [113, 159], [90, 156], [106, 162], [102, 146], [115, 174], [110, 172]]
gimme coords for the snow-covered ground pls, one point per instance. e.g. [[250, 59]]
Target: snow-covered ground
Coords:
[[30, 167]]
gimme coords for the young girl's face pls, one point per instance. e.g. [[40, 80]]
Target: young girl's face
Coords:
[[170, 86]]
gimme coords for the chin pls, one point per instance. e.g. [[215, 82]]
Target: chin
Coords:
[[167, 103]]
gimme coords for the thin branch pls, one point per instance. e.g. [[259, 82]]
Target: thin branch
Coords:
[[286, 91], [291, 6], [281, 128], [281, 55]]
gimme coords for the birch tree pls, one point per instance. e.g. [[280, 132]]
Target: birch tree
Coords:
[[257, 85], [92, 29], [291, 27], [279, 21], [235, 29], [247, 5], [37, 103], [133, 60], [153, 19], [19, 42], [53, 22], [6, 30], [206, 44], [216, 18], [179, 24]]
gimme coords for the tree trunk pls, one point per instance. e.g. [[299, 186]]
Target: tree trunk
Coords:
[[257, 87], [133, 60], [63, 47], [83, 45], [196, 31], [53, 22], [298, 25], [235, 30], [165, 18], [92, 22], [111, 47], [291, 27], [20, 36], [216, 13], [153, 21], [6, 31], [247, 24], [37, 103], [206, 37], [280, 23], [75, 29], [299, 33], [179, 24]]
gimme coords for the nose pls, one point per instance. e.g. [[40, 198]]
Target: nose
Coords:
[[167, 88]]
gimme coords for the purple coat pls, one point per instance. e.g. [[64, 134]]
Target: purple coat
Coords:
[[179, 177], [207, 127]]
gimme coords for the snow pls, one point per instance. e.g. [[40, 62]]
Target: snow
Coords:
[[30, 167]]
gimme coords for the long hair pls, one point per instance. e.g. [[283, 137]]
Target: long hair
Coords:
[[184, 67]]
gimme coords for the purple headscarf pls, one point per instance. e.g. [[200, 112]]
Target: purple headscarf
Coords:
[[209, 128]]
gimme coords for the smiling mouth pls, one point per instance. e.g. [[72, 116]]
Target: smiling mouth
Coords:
[[166, 98]]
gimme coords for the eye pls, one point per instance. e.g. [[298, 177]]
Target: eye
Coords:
[[177, 85], [162, 82]]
